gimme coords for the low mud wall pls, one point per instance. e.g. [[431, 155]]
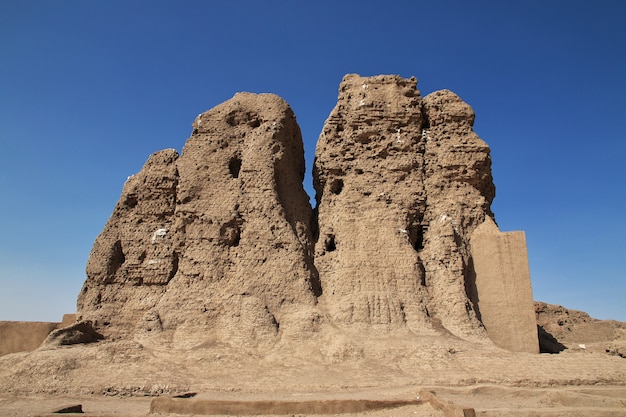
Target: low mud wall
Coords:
[[209, 407], [24, 336]]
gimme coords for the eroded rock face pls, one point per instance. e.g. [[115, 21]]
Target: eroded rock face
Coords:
[[572, 327], [459, 192], [369, 179], [136, 255], [220, 244], [401, 183], [214, 243]]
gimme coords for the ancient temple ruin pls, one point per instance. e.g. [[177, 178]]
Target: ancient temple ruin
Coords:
[[220, 243]]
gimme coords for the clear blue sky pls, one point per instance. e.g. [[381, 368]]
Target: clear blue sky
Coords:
[[89, 89]]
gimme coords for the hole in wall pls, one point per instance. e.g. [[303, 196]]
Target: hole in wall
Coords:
[[336, 186], [230, 119], [131, 201], [329, 243], [116, 258], [416, 237], [234, 166]]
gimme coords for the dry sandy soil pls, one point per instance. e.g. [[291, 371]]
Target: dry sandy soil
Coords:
[[576, 382], [485, 400]]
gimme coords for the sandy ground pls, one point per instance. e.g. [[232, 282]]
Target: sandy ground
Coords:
[[487, 400], [121, 378]]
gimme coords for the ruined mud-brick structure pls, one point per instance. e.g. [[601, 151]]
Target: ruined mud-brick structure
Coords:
[[220, 243]]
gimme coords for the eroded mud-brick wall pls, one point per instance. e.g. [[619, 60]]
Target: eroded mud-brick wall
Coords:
[[220, 244]]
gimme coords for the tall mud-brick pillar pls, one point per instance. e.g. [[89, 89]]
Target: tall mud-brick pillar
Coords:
[[503, 288]]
